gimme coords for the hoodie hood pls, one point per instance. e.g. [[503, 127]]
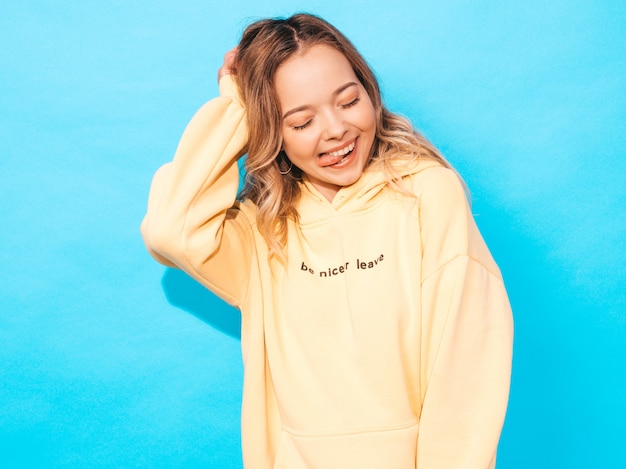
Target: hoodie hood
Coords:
[[313, 206]]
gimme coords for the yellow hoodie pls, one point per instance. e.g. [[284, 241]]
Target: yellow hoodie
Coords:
[[384, 342]]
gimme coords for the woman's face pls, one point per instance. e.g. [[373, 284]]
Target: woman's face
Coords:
[[328, 120]]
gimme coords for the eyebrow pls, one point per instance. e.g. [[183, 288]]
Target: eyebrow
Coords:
[[306, 106]]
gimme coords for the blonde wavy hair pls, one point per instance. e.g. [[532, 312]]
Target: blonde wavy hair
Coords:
[[265, 45]]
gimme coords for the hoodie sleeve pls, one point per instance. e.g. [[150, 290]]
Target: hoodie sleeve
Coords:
[[467, 334], [193, 221]]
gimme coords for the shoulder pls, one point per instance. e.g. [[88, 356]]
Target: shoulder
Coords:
[[442, 205], [434, 183], [248, 208], [447, 225]]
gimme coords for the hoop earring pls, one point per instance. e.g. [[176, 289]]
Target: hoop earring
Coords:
[[284, 173]]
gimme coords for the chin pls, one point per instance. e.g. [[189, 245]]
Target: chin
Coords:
[[348, 179]]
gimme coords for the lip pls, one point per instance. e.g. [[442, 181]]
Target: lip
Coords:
[[338, 147], [349, 159]]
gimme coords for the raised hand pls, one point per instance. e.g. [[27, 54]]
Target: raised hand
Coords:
[[228, 65]]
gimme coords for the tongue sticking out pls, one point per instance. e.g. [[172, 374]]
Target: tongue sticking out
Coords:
[[329, 160]]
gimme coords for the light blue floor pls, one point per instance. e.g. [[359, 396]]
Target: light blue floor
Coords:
[[109, 360]]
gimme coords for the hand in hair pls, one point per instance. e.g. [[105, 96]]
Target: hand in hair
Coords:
[[228, 65]]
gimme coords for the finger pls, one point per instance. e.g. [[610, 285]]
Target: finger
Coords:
[[229, 62], [229, 58]]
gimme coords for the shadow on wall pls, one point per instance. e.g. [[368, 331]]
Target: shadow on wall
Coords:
[[185, 293]]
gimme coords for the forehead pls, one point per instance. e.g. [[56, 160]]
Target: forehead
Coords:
[[313, 75]]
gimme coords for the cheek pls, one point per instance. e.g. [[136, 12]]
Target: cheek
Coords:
[[300, 143], [372, 116], [367, 118]]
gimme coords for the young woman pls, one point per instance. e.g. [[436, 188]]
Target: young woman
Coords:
[[376, 329]]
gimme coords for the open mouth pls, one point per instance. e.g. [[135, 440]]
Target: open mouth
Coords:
[[338, 157]]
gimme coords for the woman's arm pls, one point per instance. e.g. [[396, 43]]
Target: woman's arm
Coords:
[[467, 334], [193, 221]]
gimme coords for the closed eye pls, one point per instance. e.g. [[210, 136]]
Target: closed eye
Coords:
[[303, 126], [351, 103]]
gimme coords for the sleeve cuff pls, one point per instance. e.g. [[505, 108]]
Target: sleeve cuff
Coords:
[[229, 88]]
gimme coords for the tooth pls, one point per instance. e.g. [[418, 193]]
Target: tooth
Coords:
[[343, 151]]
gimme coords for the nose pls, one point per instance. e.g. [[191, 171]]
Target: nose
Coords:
[[334, 125]]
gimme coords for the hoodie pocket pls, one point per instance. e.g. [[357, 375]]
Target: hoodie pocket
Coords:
[[393, 447]]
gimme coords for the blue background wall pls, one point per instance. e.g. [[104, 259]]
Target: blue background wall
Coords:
[[109, 360]]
